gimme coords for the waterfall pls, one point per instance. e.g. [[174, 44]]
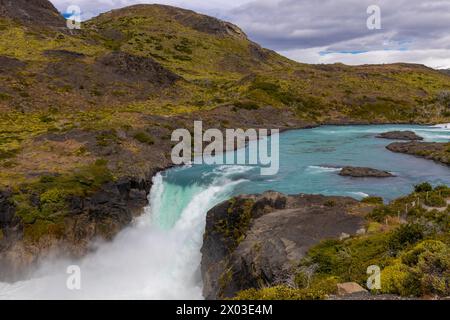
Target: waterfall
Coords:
[[158, 257]]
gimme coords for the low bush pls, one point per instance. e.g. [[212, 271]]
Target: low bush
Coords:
[[379, 214], [443, 191], [423, 270], [142, 137], [372, 200], [246, 104], [423, 187], [405, 235], [436, 201], [398, 279], [319, 289]]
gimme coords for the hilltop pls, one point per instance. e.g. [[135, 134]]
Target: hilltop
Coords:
[[86, 116], [36, 12]]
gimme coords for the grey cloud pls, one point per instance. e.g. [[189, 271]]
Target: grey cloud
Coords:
[[409, 27], [341, 24]]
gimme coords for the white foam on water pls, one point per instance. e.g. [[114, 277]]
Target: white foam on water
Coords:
[[360, 195], [322, 169], [445, 126]]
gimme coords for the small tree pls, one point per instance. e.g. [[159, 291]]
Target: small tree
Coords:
[[423, 187]]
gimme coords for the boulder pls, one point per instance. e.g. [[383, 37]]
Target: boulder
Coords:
[[400, 135], [361, 172], [349, 288]]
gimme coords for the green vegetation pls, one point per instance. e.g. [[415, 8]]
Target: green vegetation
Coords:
[[246, 104], [372, 200], [423, 187], [105, 139], [435, 200], [414, 255], [43, 204], [234, 227], [143, 137]]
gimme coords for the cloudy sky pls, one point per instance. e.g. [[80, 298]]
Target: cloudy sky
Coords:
[[326, 31]]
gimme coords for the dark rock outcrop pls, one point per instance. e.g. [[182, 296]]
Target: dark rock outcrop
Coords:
[[437, 151], [103, 214], [10, 224], [362, 172], [253, 241], [10, 64], [139, 68], [400, 135], [32, 12]]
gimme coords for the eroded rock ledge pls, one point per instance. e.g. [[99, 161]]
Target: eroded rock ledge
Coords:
[[255, 240], [400, 135], [361, 172], [437, 151]]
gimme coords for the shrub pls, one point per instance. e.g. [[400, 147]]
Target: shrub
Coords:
[[405, 235], [435, 200], [302, 279], [53, 196], [47, 179], [53, 202], [274, 91], [247, 105], [183, 47], [443, 191], [142, 137], [348, 260], [271, 293], [329, 203], [423, 187], [6, 154], [433, 267], [444, 97], [4, 96], [411, 257], [104, 139], [397, 279], [380, 213], [429, 263], [181, 57], [372, 200], [46, 118], [320, 289]]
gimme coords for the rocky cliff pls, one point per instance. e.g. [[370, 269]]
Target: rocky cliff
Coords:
[[100, 215], [256, 241]]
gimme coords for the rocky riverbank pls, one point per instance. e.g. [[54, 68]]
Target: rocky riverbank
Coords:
[[363, 172], [437, 151]]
